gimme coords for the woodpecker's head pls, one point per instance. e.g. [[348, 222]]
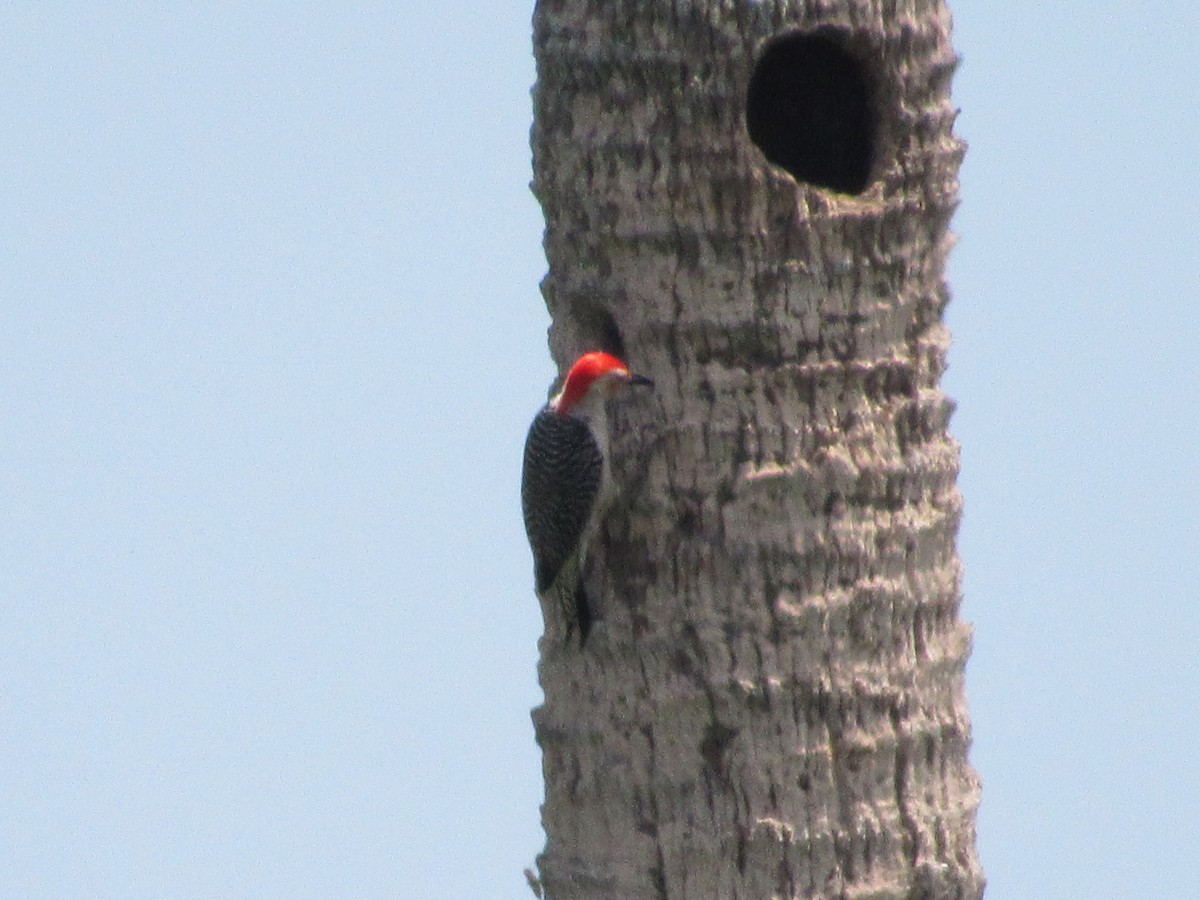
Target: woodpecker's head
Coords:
[[594, 378]]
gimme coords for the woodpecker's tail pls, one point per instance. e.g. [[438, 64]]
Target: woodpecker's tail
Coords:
[[583, 614], [566, 605]]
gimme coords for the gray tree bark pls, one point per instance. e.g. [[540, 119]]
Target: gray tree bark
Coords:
[[771, 703]]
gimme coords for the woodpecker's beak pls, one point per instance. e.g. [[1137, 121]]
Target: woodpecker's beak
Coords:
[[640, 381]]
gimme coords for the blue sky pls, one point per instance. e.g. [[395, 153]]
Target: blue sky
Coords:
[[270, 337]]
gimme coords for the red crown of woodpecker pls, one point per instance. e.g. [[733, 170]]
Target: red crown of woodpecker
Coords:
[[584, 373]]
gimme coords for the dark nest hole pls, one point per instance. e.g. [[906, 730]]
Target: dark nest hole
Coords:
[[597, 330], [809, 108]]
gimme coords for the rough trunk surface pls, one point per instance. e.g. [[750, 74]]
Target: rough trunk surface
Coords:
[[771, 702]]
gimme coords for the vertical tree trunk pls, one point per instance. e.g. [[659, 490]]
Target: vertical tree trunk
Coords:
[[749, 201]]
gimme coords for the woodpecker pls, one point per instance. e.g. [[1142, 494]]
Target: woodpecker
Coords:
[[565, 482]]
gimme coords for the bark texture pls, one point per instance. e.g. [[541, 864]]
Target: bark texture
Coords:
[[771, 702]]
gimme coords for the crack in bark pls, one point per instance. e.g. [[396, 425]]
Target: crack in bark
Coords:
[[912, 831], [659, 870]]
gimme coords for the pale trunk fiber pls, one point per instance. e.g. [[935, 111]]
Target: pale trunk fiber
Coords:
[[771, 703]]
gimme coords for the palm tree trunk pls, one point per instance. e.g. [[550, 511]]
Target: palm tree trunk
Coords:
[[749, 201]]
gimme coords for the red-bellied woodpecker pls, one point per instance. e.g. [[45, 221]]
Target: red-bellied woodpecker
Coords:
[[565, 483]]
